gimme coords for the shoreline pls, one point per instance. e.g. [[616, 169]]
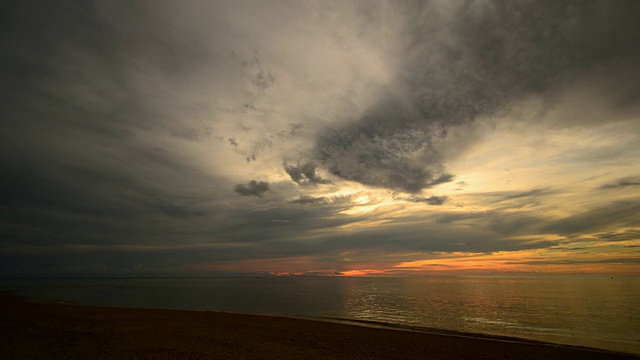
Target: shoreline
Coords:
[[472, 335], [37, 330]]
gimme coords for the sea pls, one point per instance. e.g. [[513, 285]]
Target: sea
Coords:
[[584, 310]]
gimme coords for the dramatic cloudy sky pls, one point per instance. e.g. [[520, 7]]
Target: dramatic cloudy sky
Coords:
[[320, 137]]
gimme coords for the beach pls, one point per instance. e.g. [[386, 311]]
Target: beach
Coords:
[[63, 331]]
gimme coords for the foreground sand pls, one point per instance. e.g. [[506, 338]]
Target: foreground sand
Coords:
[[50, 331]]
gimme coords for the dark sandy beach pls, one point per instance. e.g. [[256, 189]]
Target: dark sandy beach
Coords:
[[54, 331]]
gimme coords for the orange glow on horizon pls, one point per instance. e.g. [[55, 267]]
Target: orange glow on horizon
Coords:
[[363, 272], [593, 257]]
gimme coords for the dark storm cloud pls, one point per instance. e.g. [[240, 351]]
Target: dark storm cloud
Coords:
[[256, 188], [476, 61], [105, 103], [376, 153], [304, 174], [99, 189], [91, 156]]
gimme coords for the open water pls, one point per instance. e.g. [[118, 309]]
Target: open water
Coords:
[[594, 311]]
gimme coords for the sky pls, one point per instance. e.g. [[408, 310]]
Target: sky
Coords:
[[320, 137]]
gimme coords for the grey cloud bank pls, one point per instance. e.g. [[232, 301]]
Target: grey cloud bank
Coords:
[[467, 61], [186, 129]]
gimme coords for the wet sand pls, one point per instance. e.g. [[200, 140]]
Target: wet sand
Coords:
[[54, 331]]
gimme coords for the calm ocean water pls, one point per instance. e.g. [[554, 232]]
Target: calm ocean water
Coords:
[[594, 311]]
